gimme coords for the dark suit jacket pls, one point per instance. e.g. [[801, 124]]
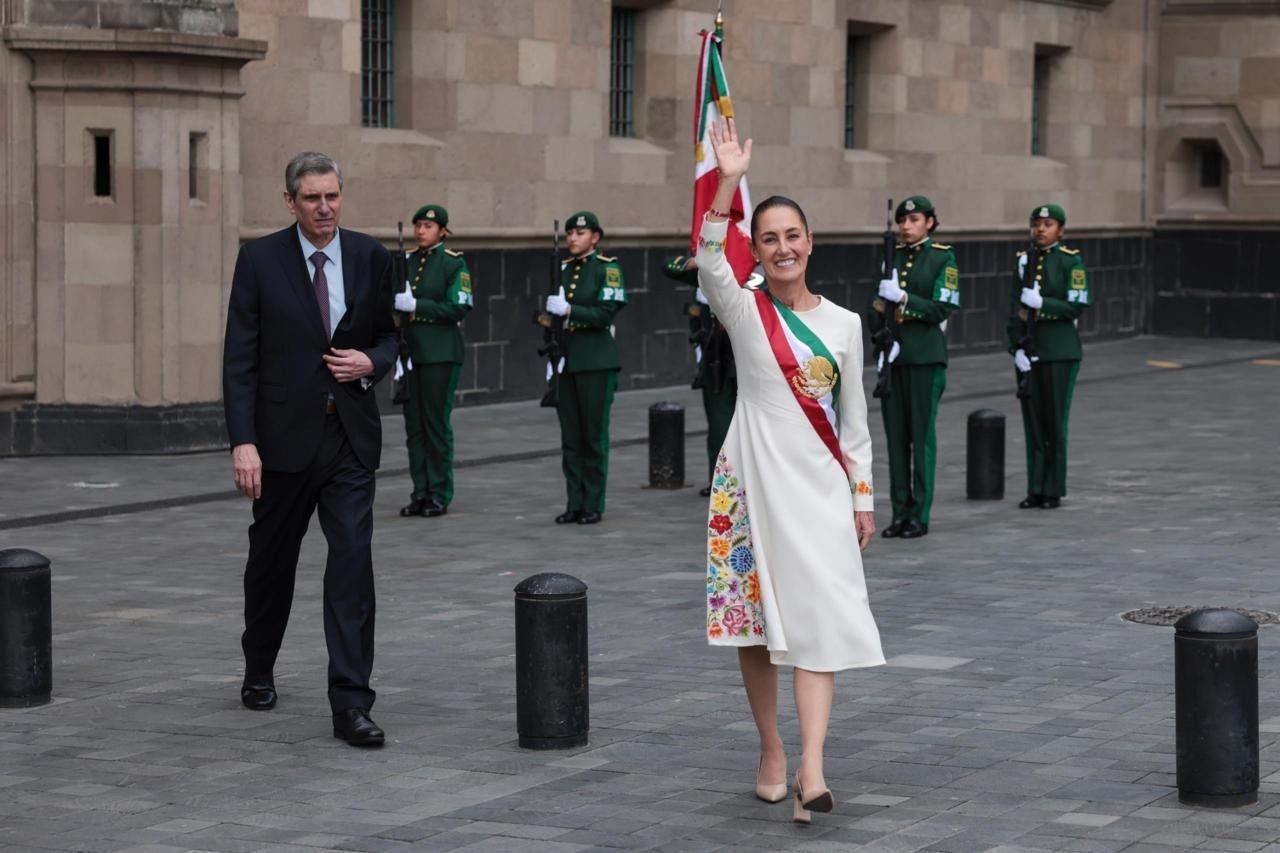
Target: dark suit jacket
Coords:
[[274, 381]]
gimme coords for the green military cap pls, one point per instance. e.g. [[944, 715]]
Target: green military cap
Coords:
[[584, 219], [433, 213], [1050, 211], [913, 204], [675, 268]]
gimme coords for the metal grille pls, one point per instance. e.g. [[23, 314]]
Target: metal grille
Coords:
[[622, 73], [850, 91], [377, 95], [1039, 85]]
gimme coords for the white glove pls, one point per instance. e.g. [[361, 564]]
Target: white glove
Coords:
[[893, 353], [1031, 297], [700, 296], [697, 355], [560, 366], [889, 289], [549, 371], [1022, 266], [1021, 361], [405, 300], [557, 304], [402, 368]]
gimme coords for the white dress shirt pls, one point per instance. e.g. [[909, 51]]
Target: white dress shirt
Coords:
[[332, 274]]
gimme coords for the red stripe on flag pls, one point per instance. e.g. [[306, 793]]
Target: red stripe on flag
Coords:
[[787, 361]]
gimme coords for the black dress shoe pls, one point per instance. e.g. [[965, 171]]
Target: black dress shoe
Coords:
[[569, 516], [1031, 502], [1051, 503], [590, 517], [914, 530], [354, 726], [894, 530], [258, 693], [413, 507], [705, 491], [432, 509]]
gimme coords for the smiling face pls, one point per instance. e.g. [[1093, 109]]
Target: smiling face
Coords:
[[913, 227], [581, 240], [317, 206], [1046, 231], [427, 233], [782, 244]]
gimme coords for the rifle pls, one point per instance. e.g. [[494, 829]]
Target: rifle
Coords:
[[883, 340], [400, 271], [552, 328], [1027, 343]]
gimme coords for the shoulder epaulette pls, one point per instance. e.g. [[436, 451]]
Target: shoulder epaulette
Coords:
[[451, 253], [943, 246], [607, 260], [1067, 251]]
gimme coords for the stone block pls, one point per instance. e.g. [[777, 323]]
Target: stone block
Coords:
[[502, 109], [536, 62], [98, 254], [1207, 77]]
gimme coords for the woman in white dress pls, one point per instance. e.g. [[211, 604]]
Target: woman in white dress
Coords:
[[791, 501]]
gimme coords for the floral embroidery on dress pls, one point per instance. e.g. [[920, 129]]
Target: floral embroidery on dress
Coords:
[[734, 608], [862, 487]]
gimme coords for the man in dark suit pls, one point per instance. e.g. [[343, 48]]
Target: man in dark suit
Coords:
[[309, 330]]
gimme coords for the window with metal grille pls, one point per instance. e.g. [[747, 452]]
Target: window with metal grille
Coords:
[[622, 73], [853, 48], [1039, 104], [377, 66], [1211, 167]]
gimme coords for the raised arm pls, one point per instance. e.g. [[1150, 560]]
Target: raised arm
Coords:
[[715, 276]]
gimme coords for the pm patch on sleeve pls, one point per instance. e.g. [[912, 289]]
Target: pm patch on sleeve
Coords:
[[613, 290]]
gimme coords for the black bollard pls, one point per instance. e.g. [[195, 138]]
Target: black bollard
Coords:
[[666, 446], [26, 629], [551, 662], [1215, 664], [985, 458]]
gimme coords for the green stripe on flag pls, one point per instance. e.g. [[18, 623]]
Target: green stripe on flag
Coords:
[[806, 336]]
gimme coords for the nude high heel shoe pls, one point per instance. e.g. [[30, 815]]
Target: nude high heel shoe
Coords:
[[820, 802], [770, 793]]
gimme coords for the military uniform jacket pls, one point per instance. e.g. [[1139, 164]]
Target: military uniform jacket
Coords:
[[929, 274], [442, 287], [594, 287], [1064, 284]]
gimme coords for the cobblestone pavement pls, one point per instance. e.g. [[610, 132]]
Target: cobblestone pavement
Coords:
[[1017, 712]]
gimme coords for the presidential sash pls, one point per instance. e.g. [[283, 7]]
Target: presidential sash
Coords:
[[808, 367]]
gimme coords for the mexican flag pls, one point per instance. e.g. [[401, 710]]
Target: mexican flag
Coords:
[[711, 103]]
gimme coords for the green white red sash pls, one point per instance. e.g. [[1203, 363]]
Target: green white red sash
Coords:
[[811, 371]]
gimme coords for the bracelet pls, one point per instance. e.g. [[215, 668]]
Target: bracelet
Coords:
[[711, 211]]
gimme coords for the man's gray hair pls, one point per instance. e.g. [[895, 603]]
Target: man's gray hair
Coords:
[[309, 163]]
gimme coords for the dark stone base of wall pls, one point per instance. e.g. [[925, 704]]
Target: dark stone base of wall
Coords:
[[502, 363], [35, 429], [1216, 283]]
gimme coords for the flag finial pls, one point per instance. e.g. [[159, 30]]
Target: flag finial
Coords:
[[719, 17]]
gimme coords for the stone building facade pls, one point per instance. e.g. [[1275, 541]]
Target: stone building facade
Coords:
[[1156, 123]]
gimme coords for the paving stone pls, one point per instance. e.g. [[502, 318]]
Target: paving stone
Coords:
[[1018, 712]]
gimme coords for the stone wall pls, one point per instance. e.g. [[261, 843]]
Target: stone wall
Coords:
[[200, 17], [502, 112]]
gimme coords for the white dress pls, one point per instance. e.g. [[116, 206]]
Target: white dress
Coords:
[[783, 565]]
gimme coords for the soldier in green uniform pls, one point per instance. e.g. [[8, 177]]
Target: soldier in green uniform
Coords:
[[1052, 282], [921, 292], [717, 376], [591, 293], [435, 299]]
